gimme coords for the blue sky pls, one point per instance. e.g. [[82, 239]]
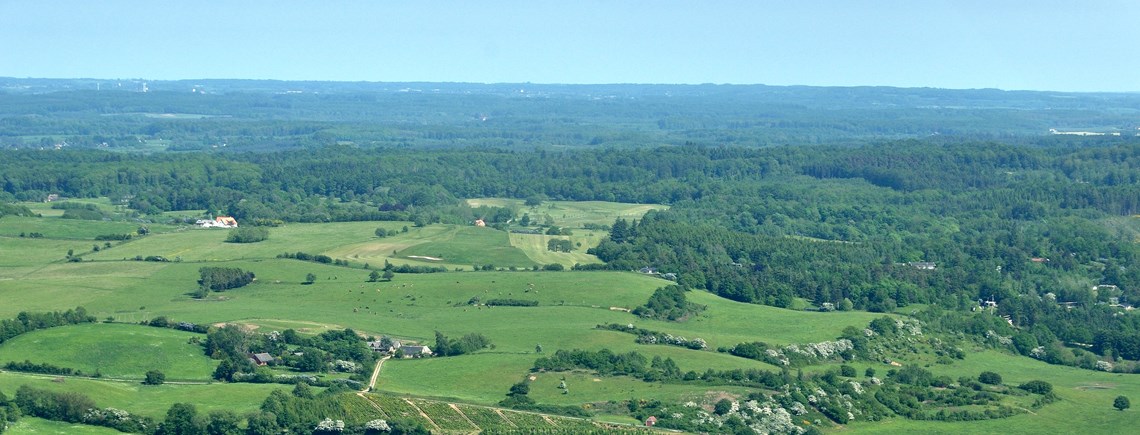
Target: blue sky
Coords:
[[1086, 45]]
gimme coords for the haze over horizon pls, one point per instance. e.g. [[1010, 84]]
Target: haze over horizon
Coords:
[[1048, 45]]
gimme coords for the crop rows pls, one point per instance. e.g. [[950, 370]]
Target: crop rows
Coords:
[[397, 408], [526, 419], [361, 409], [444, 416], [463, 418], [485, 418]]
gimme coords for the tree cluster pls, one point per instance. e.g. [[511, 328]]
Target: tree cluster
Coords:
[[222, 278], [468, 343]]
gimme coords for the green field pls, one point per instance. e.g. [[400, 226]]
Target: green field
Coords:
[[114, 350], [38, 426], [469, 246], [148, 400]]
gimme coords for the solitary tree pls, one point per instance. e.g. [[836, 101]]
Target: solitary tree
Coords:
[[375, 275], [388, 275], [533, 201], [310, 278], [538, 348], [1121, 403]]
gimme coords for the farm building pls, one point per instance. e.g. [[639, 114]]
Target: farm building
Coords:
[[218, 222], [415, 351], [381, 346], [260, 359]]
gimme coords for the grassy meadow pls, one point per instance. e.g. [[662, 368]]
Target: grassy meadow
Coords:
[[33, 425], [36, 276], [114, 351], [148, 400]]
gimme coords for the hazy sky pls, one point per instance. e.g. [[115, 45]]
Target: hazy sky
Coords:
[[1077, 45]]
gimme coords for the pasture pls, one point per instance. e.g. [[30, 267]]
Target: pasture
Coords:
[[148, 400], [114, 351], [39, 426]]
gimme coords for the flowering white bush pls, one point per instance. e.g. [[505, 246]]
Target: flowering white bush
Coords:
[[647, 339], [378, 425], [875, 381], [701, 343], [330, 425], [1038, 352], [798, 408], [822, 350], [857, 387], [776, 420], [1002, 340], [106, 414], [869, 332], [913, 328], [1103, 366], [344, 366]]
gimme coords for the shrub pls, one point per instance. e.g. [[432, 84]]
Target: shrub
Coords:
[[991, 378], [847, 371], [1121, 403], [1037, 387], [154, 377]]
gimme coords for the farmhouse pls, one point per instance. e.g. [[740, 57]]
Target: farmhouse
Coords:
[[415, 351], [381, 346], [260, 359], [218, 222]]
